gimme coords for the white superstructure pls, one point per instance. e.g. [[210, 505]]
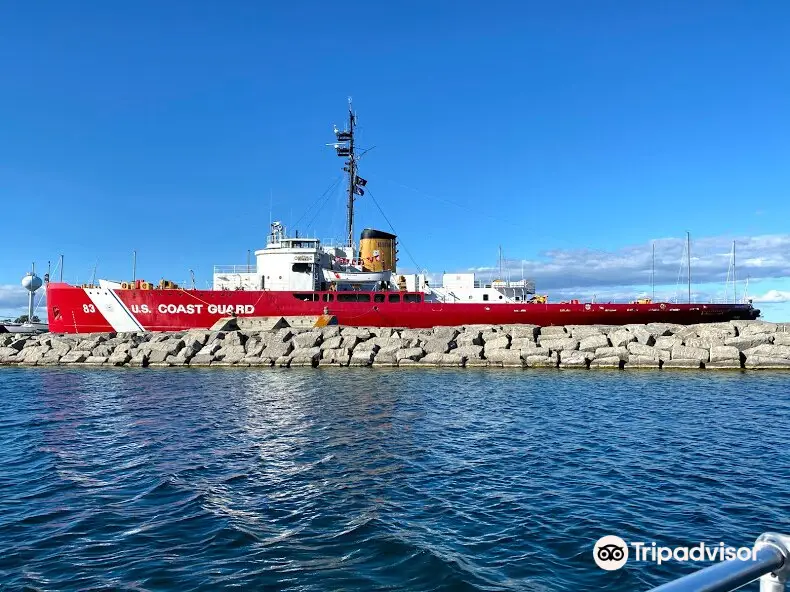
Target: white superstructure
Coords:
[[302, 264]]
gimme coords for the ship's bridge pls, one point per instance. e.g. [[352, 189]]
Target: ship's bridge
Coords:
[[287, 263]]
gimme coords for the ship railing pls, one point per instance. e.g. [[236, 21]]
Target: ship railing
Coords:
[[528, 284], [334, 243], [770, 562], [235, 268]]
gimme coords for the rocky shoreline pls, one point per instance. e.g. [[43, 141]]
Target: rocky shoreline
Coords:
[[733, 345]]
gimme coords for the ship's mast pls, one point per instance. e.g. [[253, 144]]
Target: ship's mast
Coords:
[[345, 149]]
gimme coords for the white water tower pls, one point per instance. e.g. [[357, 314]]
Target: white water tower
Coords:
[[31, 282]]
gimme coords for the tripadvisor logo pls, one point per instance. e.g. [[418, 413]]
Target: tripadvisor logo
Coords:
[[611, 552]]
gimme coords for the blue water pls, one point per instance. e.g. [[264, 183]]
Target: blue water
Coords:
[[369, 479]]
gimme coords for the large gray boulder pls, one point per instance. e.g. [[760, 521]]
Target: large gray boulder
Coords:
[[95, 360], [687, 332], [682, 363], [329, 332], [390, 343], [620, 353], [438, 359], [637, 361], [51, 358], [75, 357], [411, 353], [621, 337], [524, 331], [717, 333], [119, 358], [438, 345], [227, 355], [574, 359], [235, 338], [553, 331], [333, 342], [559, 344], [758, 328], [768, 351], [667, 342], [387, 357], [720, 353], [522, 343], [384, 332], [766, 363], [501, 342], [447, 333], [581, 331], [277, 349], [470, 352], [682, 352], [643, 335], [745, 342], [8, 354], [703, 342], [306, 340], [782, 339], [530, 349], [360, 332], [335, 357], [469, 337], [593, 342], [305, 356], [168, 347], [638, 349], [731, 364], [661, 329], [504, 357], [361, 356], [610, 362], [542, 361]]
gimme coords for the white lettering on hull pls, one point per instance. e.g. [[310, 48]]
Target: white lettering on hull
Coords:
[[180, 308], [227, 309], [223, 309]]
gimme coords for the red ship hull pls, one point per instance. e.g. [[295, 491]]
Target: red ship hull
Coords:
[[89, 310]]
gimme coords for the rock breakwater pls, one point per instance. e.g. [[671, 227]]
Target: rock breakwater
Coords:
[[733, 345]]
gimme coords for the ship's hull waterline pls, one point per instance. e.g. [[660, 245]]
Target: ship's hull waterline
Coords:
[[88, 310]]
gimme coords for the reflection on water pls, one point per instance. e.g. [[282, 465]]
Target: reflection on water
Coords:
[[371, 479]]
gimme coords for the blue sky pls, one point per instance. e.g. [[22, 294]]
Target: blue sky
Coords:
[[572, 134]]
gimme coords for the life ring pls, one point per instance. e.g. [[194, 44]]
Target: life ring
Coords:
[[662, 306], [587, 307]]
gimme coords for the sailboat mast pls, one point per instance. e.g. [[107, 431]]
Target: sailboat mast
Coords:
[[653, 275], [688, 260], [734, 276]]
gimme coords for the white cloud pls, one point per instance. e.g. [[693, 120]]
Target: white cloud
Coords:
[[13, 301], [773, 296], [758, 257]]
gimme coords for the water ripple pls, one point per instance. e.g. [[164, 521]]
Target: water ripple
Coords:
[[377, 480]]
